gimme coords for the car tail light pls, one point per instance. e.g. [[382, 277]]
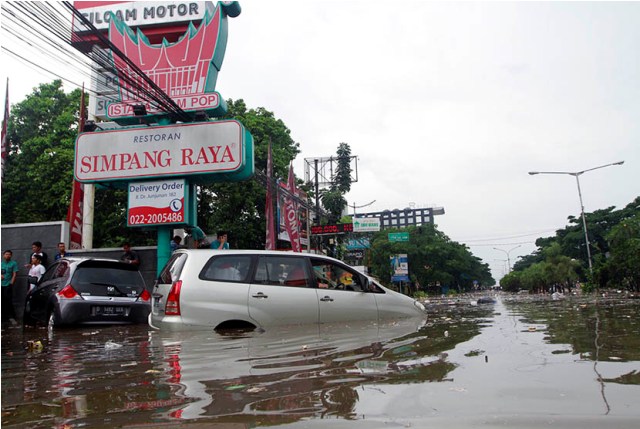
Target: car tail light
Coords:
[[69, 292], [145, 295], [172, 307]]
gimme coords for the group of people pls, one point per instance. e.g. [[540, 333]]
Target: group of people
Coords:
[[36, 268], [199, 240], [38, 261]]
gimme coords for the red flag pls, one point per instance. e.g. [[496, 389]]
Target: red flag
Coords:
[[74, 214], [5, 124], [270, 241], [291, 213]]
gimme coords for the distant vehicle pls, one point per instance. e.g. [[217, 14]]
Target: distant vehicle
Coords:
[[77, 291], [248, 289]]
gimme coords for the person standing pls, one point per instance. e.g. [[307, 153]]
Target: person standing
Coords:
[[62, 252], [9, 274], [175, 243], [130, 256], [196, 234], [36, 271], [36, 249], [220, 243]]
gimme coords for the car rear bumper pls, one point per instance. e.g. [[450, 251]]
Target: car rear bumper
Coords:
[[91, 312]]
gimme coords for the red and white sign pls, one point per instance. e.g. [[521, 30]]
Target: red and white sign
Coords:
[[156, 203], [147, 152]]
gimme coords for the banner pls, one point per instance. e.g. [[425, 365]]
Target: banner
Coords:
[[270, 239], [291, 213], [400, 268], [5, 124], [74, 214]]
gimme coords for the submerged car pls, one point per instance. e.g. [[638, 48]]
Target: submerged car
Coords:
[[248, 289], [82, 291]]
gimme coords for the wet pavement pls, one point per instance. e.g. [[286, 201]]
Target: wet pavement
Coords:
[[521, 362]]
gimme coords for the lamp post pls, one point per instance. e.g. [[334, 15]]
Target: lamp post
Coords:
[[508, 256], [577, 175]]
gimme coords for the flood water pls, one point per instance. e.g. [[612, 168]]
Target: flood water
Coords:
[[521, 362]]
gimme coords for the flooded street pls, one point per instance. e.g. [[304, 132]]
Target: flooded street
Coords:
[[525, 362]]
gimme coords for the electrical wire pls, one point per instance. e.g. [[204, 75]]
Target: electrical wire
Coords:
[[44, 31]]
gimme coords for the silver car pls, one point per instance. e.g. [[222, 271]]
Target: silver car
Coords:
[[228, 289]]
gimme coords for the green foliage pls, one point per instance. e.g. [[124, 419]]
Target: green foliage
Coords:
[[622, 267], [614, 237], [39, 168], [342, 179], [434, 260]]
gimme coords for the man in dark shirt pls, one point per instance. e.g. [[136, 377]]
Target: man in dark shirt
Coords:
[[130, 256]]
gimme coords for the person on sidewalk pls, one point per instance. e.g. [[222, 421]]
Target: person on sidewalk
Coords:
[[220, 243], [130, 256], [9, 274]]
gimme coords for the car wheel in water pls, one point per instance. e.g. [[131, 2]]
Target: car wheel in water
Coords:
[[53, 320]]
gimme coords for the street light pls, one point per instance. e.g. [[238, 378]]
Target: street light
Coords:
[[577, 175], [508, 257]]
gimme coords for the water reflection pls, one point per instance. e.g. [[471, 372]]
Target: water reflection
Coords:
[[290, 373], [522, 358], [577, 323]]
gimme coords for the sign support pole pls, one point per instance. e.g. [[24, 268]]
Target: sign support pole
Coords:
[[164, 249]]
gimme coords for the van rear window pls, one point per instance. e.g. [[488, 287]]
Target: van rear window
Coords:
[[172, 269]]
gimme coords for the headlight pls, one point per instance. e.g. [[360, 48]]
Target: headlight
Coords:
[[419, 306]]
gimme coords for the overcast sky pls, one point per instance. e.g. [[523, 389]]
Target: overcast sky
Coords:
[[449, 104]]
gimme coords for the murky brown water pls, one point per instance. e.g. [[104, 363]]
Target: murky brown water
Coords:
[[517, 363]]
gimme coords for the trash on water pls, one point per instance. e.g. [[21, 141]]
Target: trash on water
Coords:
[[235, 387], [110, 345], [35, 345]]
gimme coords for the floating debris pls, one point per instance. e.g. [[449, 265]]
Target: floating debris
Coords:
[[35, 346], [110, 345]]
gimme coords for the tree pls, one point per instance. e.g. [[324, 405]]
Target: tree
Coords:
[[622, 268], [434, 260], [39, 168], [613, 242], [332, 198]]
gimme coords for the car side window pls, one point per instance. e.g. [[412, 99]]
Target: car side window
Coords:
[[231, 268], [329, 275], [280, 270], [61, 271], [50, 273], [171, 271]]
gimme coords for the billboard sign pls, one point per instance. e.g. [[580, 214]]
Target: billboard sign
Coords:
[[398, 236], [400, 268], [180, 46], [183, 150], [339, 228], [160, 202], [366, 224], [358, 243]]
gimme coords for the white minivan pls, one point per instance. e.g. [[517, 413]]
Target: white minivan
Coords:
[[248, 289]]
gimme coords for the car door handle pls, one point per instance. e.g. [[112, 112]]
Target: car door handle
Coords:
[[260, 295], [326, 299]]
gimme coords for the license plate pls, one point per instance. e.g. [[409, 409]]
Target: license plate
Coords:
[[108, 310]]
